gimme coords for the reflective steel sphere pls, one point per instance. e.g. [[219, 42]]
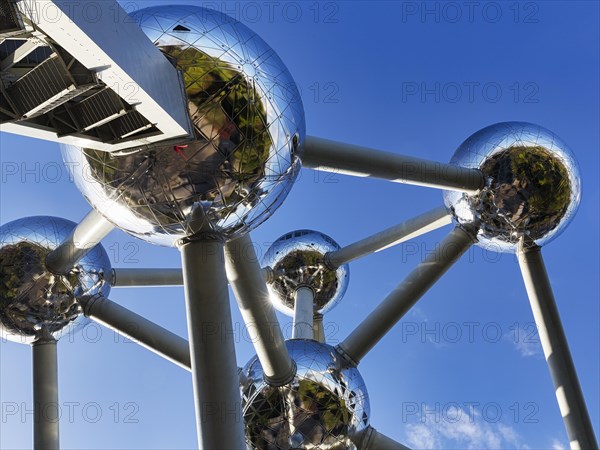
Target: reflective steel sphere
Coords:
[[322, 408], [33, 300], [298, 259], [532, 185], [239, 167]]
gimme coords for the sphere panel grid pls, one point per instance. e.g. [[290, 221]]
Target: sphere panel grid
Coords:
[[532, 186], [239, 167], [322, 408], [298, 259], [231, 176], [33, 301]]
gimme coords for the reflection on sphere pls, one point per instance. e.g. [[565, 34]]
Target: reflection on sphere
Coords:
[[34, 301], [298, 259], [532, 185], [248, 122], [323, 407]]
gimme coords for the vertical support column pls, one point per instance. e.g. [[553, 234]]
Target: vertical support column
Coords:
[[214, 367], [556, 350], [319, 331], [45, 395], [303, 313]]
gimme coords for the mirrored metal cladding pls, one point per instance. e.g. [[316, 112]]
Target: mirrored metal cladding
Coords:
[[322, 408], [532, 187], [298, 259], [32, 299], [248, 121]]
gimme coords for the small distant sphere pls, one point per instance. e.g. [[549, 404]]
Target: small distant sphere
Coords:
[[323, 407], [242, 161], [34, 301], [298, 259], [532, 186]]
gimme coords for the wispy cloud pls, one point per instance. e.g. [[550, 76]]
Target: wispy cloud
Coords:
[[525, 340], [470, 431], [557, 445]]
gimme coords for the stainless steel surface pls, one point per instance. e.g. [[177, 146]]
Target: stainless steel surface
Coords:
[[318, 329], [532, 185], [371, 439], [247, 281], [214, 369], [375, 326], [135, 327], [424, 223], [298, 259], [33, 300], [248, 122], [125, 278], [320, 409], [69, 57], [556, 350], [45, 395], [83, 239], [303, 313], [331, 156]]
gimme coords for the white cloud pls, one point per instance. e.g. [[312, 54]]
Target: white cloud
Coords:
[[525, 340], [557, 445], [466, 430]]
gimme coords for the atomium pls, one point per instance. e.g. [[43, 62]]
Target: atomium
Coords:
[[248, 120], [324, 407], [516, 187], [298, 259], [532, 185], [32, 299]]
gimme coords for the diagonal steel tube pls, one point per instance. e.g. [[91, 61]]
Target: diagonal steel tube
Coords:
[[371, 439], [125, 278], [89, 232], [129, 278], [429, 221], [556, 349], [45, 395], [214, 370], [323, 154], [248, 283], [372, 329], [139, 329]]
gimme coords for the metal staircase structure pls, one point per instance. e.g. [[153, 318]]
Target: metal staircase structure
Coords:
[[46, 89]]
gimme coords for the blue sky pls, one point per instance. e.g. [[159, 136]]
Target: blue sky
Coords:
[[462, 370]]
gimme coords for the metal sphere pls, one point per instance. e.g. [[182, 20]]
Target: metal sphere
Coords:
[[297, 259], [532, 185], [248, 120], [323, 407], [34, 301]]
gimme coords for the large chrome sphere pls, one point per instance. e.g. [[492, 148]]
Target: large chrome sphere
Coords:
[[322, 408], [532, 185], [239, 167], [297, 259], [33, 301]]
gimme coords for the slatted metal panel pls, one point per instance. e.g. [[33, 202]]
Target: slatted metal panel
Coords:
[[44, 88], [41, 84], [127, 125], [10, 24], [97, 109]]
